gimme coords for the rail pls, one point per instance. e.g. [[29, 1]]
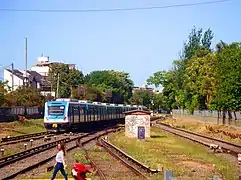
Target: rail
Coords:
[[204, 136], [45, 160], [81, 145], [127, 156], [15, 157], [134, 169], [13, 138], [230, 148]]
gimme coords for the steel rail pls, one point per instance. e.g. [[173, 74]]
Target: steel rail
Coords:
[[24, 140], [21, 155], [36, 165], [125, 162], [13, 138], [230, 148], [127, 156]]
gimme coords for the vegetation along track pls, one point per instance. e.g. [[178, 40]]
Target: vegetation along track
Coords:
[[32, 158], [214, 143], [109, 167], [139, 169]]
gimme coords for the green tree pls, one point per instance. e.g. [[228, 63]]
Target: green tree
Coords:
[[201, 80], [142, 97], [69, 79], [112, 82], [24, 96], [165, 79], [3, 90], [229, 77]]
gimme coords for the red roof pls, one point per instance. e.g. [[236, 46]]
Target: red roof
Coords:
[[137, 112]]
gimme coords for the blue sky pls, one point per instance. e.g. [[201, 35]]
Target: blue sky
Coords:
[[137, 42]]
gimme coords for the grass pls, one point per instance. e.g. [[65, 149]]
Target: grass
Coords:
[[187, 160], [21, 127], [79, 157], [200, 128]]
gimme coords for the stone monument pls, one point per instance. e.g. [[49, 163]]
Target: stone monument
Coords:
[[137, 124]]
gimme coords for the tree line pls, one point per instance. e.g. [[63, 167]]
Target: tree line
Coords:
[[104, 86], [202, 78]]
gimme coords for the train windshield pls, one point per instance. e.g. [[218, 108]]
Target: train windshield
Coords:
[[56, 110]]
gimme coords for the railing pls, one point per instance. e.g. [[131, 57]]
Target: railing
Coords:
[[13, 113], [219, 117]]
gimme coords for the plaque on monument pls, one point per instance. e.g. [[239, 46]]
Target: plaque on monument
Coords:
[[141, 132]]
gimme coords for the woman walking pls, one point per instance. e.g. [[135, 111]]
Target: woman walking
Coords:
[[60, 163]]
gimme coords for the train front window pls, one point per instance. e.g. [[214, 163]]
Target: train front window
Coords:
[[56, 110]]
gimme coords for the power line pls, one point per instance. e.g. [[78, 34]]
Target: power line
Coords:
[[116, 9]]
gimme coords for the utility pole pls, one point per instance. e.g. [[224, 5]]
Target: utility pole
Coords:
[[57, 96], [26, 59], [12, 77]]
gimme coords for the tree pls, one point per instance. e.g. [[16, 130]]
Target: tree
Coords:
[[229, 77], [24, 96], [118, 84], [3, 90], [201, 80], [180, 87], [164, 79], [69, 79], [142, 97]]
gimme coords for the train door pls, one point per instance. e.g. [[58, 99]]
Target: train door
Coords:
[[76, 113], [70, 114], [82, 113]]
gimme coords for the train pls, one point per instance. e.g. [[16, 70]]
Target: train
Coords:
[[63, 114]]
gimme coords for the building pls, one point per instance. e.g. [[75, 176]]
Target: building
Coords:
[[37, 76], [33, 79], [142, 88], [43, 64]]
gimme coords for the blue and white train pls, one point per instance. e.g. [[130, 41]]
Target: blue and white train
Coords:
[[65, 114]]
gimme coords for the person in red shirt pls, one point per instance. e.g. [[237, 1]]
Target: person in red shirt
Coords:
[[79, 171]]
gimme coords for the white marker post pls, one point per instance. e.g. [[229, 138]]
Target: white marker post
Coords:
[[25, 146], [2, 152], [239, 158], [31, 142]]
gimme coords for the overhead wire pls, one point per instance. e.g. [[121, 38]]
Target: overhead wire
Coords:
[[115, 9]]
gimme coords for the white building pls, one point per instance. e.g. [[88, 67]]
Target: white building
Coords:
[[16, 81], [43, 65], [37, 76]]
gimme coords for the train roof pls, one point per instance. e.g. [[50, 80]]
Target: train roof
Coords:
[[96, 103], [67, 100], [85, 101]]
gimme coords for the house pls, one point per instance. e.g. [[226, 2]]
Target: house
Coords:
[[142, 88], [37, 76], [33, 79], [43, 64]]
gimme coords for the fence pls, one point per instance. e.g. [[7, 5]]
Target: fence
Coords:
[[13, 113], [217, 117]]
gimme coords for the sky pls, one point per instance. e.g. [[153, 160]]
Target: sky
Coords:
[[138, 42]]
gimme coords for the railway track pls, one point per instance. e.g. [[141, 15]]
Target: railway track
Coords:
[[33, 158], [214, 143], [23, 138], [118, 165], [14, 138]]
